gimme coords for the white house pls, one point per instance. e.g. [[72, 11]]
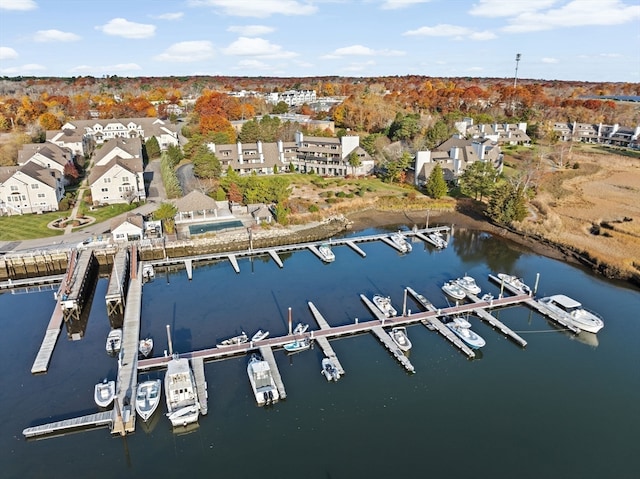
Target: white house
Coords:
[[46, 155], [128, 229], [30, 188], [330, 156]]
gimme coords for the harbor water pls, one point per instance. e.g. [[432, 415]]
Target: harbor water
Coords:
[[565, 406]]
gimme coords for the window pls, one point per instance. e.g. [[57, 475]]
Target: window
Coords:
[[104, 190], [107, 180], [41, 195], [14, 188], [125, 179], [34, 186]]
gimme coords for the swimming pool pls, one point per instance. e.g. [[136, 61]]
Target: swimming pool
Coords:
[[209, 227]]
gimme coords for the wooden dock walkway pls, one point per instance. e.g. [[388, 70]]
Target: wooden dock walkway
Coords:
[[390, 344], [439, 326], [99, 419], [29, 285], [197, 364], [484, 315], [75, 291], [234, 262], [267, 354], [355, 248], [324, 342], [118, 282]]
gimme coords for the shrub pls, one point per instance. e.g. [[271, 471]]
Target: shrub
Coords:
[[313, 209]]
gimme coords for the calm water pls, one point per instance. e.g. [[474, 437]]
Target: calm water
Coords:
[[561, 407]]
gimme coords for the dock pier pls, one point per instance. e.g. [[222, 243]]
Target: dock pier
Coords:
[[100, 419], [267, 354], [324, 342], [197, 364], [79, 284], [118, 283]]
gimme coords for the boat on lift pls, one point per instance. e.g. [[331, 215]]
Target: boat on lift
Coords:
[[300, 328], [462, 328], [325, 252], [145, 347], [114, 341], [383, 303], [437, 239], [514, 282], [297, 345]]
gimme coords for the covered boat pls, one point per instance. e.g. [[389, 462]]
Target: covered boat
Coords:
[[148, 398], [454, 290], [261, 380], [572, 312], [383, 303], [468, 284], [325, 251], [399, 336], [114, 341], [259, 335], [180, 391], [239, 339], [145, 347], [104, 392], [462, 328], [329, 370], [300, 328]]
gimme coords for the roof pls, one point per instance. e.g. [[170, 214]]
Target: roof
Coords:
[[132, 146], [45, 175], [53, 152], [135, 219], [132, 165], [194, 201], [565, 301]]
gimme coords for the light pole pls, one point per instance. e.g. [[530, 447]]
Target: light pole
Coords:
[[515, 78]]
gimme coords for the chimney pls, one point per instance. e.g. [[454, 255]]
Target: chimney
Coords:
[[240, 157], [281, 150], [260, 153]]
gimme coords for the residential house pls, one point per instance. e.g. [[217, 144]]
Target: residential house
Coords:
[[292, 97], [501, 133], [47, 155], [598, 133], [129, 228], [30, 188], [260, 158], [331, 156]]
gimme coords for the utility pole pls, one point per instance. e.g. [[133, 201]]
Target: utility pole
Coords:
[[515, 78]]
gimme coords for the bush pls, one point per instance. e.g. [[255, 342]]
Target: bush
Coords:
[[313, 209]]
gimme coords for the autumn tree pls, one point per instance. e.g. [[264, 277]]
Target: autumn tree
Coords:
[[436, 187], [48, 121], [234, 194]]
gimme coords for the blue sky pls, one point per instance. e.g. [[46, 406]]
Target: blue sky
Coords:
[[584, 40]]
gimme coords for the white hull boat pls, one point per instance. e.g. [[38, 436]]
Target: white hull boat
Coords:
[[399, 336], [259, 335], [145, 347], [468, 284], [148, 272], [148, 398], [240, 339], [329, 370], [572, 312], [383, 303], [401, 242], [114, 341], [300, 328], [454, 290], [180, 391], [297, 345], [462, 328], [104, 393], [325, 251], [437, 240], [514, 282], [261, 380]]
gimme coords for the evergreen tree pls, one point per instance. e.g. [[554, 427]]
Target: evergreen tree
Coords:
[[153, 147], [206, 164], [478, 179], [507, 204], [436, 186]]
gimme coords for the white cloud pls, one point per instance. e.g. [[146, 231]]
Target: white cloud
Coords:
[[361, 50], [397, 4], [257, 47], [27, 69], [121, 27], [251, 30], [446, 30], [252, 65], [18, 5], [55, 36], [120, 67], [258, 8], [550, 60], [169, 16], [577, 13], [7, 53], [508, 8], [186, 52]]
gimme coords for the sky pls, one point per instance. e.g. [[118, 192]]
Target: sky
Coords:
[[575, 40]]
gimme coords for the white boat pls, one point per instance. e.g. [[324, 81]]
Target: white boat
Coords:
[[454, 290], [259, 335], [239, 339], [148, 398], [326, 253], [114, 341], [104, 392], [300, 328], [148, 272], [514, 282], [329, 370], [383, 303], [462, 328], [180, 391], [297, 345], [437, 239], [145, 347], [399, 336], [572, 312], [468, 284], [401, 242], [262, 382]]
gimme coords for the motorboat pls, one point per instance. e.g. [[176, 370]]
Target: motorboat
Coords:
[[462, 328], [572, 312], [145, 347], [454, 290], [468, 284], [399, 336], [297, 345], [300, 328], [437, 239], [259, 335], [180, 390], [148, 398], [239, 339], [261, 380], [329, 370], [400, 242], [104, 392], [421, 299], [383, 303], [514, 282], [114, 341], [326, 253], [148, 272]]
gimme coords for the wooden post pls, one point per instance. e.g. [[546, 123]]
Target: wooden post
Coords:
[[169, 340]]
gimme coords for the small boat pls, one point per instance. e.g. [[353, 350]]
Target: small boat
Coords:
[[300, 328], [104, 393], [572, 312], [399, 336], [487, 297], [261, 380], [240, 339], [437, 239], [148, 398], [259, 335], [462, 328], [180, 391], [329, 370], [297, 345], [468, 284], [145, 347], [383, 303], [454, 290], [401, 242], [148, 272], [326, 253], [114, 341], [514, 282]]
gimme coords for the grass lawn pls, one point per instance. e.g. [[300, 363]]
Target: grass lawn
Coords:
[[104, 213], [30, 226]]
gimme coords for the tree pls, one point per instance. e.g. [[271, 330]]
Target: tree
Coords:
[[153, 147], [478, 179], [507, 204], [404, 127], [166, 213], [280, 108], [354, 161], [234, 194], [206, 164], [174, 153], [71, 173], [435, 135], [436, 186]]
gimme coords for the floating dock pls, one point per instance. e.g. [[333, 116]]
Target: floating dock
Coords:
[[234, 262], [115, 296], [324, 342], [41, 363], [276, 258], [99, 419], [197, 364], [449, 335], [390, 344], [267, 355]]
